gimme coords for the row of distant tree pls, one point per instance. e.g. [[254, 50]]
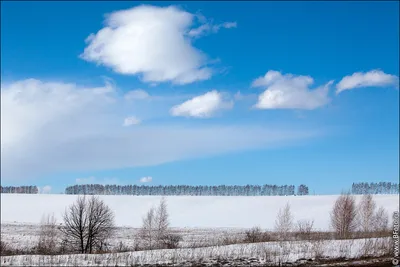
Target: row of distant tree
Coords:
[[30, 189], [203, 190], [375, 188], [187, 190]]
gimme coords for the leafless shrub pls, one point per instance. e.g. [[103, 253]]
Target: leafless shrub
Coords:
[[47, 243], [284, 222], [87, 224], [171, 240], [343, 216], [228, 239], [304, 229], [255, 234], [121, 247], [4, 247]]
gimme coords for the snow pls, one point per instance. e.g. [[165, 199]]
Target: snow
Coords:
[[200, 220], [272, 252], [187, 211]]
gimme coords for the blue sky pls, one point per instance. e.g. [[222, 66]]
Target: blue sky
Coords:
[[200, 93]]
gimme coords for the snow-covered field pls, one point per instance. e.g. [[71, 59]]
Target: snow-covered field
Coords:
[[25, 236], [257, 254], [198, 219], [187, 211]]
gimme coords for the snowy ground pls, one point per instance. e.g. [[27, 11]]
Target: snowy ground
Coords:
[[187, 211], [257, 254], [25, 236], [200, 220]]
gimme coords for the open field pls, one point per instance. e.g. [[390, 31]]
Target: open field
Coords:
[[205, 223]]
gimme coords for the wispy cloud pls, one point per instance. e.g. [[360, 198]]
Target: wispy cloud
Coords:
[[290, 91], [373, 78], [208, 28], [45, 125]]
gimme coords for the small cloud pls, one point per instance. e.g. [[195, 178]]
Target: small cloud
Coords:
[[290, 91], [147, 179], [46, 189], [138, 94], [132, 120], [203, 106], [373, 78]]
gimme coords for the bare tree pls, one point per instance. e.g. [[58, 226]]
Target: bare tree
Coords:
[[284, 222], [304, 229], [47, 243], [87, 224], [381, 220], [155, 231], [162, 221], [344, 216], [147, 233], [366, 213]]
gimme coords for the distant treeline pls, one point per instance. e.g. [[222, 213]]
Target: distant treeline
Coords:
[[375, 188], [30, 189], [187, 190]]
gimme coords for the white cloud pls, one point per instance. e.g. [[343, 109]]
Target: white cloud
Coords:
[[138, 94], [152, 42], [147, 179], [94, 180], [202, 106], [290, 92], [51, 127], [132, 120], [373, 78]]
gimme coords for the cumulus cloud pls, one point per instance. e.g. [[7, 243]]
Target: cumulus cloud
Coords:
[[150, 41], [290, 91], [132, 120], [50, 127], [202, 106], [147, 179], [373, 78]]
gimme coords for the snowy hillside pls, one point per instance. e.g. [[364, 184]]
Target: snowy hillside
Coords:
[[187, 211]]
